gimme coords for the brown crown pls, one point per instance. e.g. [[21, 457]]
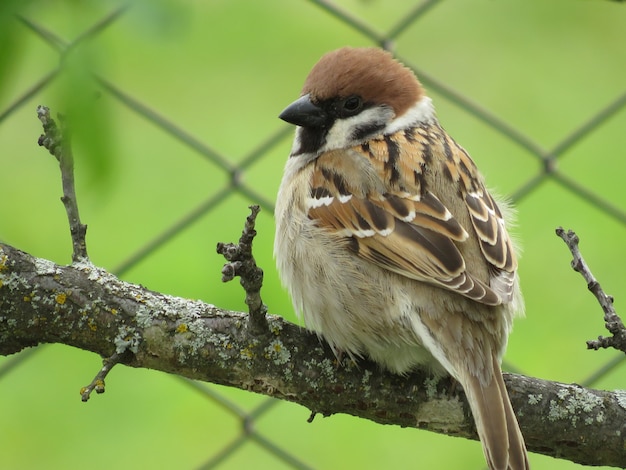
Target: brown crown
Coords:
[[371, 73]]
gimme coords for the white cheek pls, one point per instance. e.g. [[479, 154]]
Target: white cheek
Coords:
[[340, 134], [422, 111]]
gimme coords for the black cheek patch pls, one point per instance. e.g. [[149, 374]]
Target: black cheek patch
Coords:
[[366, 130]]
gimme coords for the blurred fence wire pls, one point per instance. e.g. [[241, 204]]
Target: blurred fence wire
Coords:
[[549, 170]]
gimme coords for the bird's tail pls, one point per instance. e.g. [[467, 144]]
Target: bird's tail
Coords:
[[500, 435]]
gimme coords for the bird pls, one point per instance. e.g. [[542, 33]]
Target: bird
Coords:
[[388, 241]]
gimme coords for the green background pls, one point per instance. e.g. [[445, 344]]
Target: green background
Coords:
[[222, 71]]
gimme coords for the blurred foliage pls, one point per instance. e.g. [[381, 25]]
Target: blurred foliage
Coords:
[[9, 38], [221, 71]]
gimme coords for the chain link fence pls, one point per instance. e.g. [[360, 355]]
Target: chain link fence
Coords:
[[567, 166]]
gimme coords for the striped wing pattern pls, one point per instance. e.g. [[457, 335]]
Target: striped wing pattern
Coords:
[[395, 221]]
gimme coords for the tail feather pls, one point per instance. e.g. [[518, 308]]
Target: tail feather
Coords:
[[518, 457], [500, 435]]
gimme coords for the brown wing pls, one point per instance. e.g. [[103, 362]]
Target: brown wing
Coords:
[[400, 225], [486, 218]]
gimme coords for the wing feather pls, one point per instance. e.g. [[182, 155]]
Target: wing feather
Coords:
[[401, 225]]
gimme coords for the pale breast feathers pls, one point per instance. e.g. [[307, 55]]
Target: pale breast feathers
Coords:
[[379, 195]]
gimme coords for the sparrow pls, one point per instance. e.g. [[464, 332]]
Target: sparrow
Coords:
[[388, 241]]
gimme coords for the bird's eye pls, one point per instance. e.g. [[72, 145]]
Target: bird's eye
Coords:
[[351, 105]]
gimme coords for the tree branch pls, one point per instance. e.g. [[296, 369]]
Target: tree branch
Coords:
[[612, 322], [56, 140], [89, 308], [241, 263]]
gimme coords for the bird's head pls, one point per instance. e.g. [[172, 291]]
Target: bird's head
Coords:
[[351, 95]]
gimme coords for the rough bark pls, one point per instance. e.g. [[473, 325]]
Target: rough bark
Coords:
[[86, 307]]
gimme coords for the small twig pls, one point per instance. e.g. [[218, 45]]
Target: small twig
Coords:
[[97, 383], [57, 141], [613, 322], [241, 263]]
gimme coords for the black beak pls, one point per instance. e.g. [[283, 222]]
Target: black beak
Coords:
[[304, 113]]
